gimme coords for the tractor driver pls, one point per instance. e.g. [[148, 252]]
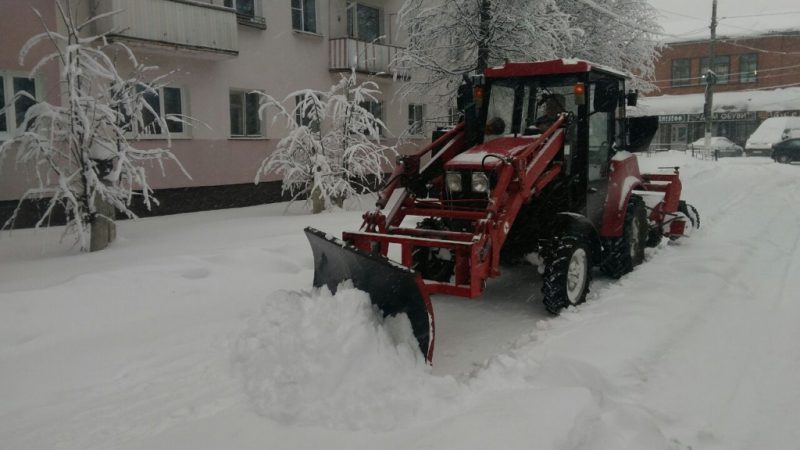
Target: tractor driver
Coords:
[[553, 106]]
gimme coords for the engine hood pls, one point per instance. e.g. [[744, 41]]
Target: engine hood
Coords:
[[476, 157]]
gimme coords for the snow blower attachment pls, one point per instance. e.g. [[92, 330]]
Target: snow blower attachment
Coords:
[[392, 287], [541, 163]]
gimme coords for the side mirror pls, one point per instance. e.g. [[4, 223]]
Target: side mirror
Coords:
[[632, 97], [606, 95]]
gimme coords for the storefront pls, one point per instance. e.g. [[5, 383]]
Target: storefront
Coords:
[[736, 114]]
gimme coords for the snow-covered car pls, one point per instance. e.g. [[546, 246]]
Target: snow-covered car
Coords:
[[786, 151], [723, 145], [772, 131]]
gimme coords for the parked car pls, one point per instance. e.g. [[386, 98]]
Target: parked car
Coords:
[[771, 131], [725, 146], [786, 151]]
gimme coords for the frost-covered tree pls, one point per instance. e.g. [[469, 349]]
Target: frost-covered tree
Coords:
[[447, 38], [333, 149], [81, 149], [623, 34]]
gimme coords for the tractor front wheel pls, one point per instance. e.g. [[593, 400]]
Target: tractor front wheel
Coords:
[[567, 273], [433, 263], [622, 254]]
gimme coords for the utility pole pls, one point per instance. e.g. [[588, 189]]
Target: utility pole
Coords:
[[711, 78]]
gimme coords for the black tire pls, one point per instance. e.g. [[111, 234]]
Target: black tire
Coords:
[[654, 236], [783, 158], [622, 254], [567, 273], [426, 260], [690, 212]]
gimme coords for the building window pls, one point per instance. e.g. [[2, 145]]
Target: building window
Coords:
[[748, 68], [14, 102], [167, 103], [245, 121], [248, 12], [721, 68], [304, 15], [453, 115], [303, 118], [376, 109], [681, 72], [416, 119], [363, 22], [243, 7]]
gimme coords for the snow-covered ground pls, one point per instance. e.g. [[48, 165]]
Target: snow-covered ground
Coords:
[[201, 331]]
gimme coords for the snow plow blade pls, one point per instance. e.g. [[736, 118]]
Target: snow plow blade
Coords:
[[392, 287]]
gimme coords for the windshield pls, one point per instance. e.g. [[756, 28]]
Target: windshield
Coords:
[[528, 106]]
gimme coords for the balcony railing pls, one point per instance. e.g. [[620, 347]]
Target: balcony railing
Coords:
[[184, 24], [365, 57]]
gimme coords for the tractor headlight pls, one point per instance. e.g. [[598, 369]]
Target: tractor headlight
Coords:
[[480, 182], [453, 181]]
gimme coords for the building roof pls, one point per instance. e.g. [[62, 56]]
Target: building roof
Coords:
[[743, 35], [783, 99]]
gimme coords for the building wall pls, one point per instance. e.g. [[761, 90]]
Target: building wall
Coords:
[[277, 60], [778, 62], [778, 65]]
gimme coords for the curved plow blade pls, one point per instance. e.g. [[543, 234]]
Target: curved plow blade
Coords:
[[392, 287]]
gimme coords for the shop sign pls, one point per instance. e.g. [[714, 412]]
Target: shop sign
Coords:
[[672, 118], [767, 114], [734, 116]]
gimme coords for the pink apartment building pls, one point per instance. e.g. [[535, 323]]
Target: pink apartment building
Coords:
[[217, 52]]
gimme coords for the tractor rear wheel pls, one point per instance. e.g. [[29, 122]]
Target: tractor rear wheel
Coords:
[[567, 273], [622, 254]]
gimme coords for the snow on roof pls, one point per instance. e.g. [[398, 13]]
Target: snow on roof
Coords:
[[702, 35], [763, 100]]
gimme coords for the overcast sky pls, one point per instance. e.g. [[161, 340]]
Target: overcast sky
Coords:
[[685, 19]]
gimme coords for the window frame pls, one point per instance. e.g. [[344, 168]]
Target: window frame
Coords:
[[301, 119], [726, 79], [261, 122], [753, 72], [352, 21], [681, 81], [369, 105], [185, 132], [303, 17], [10, 114], [416, 125]]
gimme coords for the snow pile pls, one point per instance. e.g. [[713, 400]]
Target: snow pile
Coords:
[[316, 358], [781, 99]]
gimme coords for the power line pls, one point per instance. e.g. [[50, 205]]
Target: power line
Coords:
[[758, 71], [762, 15], [682, 15]]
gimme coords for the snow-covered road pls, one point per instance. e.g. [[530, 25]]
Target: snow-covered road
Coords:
[[201, 331]]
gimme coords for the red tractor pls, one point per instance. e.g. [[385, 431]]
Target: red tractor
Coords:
[[541, 164]]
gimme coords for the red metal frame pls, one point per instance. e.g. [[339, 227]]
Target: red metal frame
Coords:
[[522, 174]]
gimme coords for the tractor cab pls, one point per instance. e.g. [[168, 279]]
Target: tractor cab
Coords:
[[519, 102]]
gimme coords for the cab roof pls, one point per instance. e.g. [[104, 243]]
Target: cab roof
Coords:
[[552, 67]]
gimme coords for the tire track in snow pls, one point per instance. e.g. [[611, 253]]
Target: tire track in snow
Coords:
[[714, 332]]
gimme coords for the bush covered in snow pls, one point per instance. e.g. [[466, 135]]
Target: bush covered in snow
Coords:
[[81, 150], [333, 150]]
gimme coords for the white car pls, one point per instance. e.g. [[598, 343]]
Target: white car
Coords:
[[771, 131], [725, 146]]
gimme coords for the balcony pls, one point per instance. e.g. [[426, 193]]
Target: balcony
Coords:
[[365, 57], [202, 29]]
